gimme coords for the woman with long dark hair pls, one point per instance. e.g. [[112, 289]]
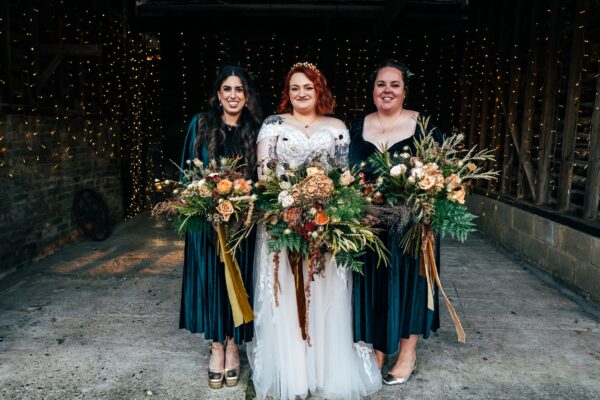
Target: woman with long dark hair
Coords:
[[227, 129]]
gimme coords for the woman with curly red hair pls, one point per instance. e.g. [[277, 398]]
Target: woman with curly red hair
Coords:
[[290, 358]]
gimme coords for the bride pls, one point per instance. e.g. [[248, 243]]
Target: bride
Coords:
[[285, 365]]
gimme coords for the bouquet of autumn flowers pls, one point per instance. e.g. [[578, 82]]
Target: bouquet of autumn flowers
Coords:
[[432, 183], [220, 195], [312, 210], [217, 193]]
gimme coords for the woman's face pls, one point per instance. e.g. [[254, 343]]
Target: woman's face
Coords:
[[302, 93], [232, 95], [388, 93]]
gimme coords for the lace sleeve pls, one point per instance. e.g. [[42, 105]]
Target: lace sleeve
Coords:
[[342, 144], [266, 143]]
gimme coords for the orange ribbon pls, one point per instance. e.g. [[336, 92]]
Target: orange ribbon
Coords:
[[428, 268]]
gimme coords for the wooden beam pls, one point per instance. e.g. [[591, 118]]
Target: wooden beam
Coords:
[[71, 49], [548, 122], [390, 13], [49, 70], [510, 111], [592, 184], [6, 53], [529, 97], [572, 112], [498, 82]]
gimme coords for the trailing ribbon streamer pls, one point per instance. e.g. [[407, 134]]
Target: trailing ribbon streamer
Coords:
[[428, 268], [295, 258], [238, 298]]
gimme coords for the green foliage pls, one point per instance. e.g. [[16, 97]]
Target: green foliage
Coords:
[[280, 240], [452, 219], [350, 261]]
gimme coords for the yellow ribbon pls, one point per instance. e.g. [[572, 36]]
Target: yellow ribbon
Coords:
[[429, 269], [238, 298]]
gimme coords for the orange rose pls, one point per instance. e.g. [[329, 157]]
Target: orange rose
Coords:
[[225, 208], [321, 218], [224, 186], [241, 185]]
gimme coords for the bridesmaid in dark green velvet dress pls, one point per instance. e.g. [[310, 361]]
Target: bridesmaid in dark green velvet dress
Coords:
[[390, 304], [228, 128]]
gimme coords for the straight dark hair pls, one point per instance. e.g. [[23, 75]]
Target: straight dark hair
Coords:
[[211, 131]]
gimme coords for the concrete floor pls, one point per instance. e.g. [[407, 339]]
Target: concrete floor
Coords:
[[98, 320]]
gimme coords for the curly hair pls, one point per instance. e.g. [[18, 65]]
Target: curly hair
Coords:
[[325, 101], [211, 131]]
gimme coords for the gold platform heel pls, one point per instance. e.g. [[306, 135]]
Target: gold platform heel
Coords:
[[216, 377], [232, 376]]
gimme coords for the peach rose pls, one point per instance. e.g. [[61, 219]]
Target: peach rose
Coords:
[[321, 218], [225, 208], [457, 195], [427, 182], [224, 186], [241, 185], [452, 182]]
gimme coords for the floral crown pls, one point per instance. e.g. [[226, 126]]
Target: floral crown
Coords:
[[306, 65]]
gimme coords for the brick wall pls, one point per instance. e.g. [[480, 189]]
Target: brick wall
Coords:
[[43, 163], [569, 255]]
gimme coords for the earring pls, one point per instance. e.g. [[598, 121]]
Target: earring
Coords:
[[220, 104]]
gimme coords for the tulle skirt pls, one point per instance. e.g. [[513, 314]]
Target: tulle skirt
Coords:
[[283, 364]]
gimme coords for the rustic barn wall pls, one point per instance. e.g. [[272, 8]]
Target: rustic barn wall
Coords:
[[531, 91], [37, 214]]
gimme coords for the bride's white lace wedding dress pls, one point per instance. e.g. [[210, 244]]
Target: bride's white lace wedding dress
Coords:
[[283, 365]]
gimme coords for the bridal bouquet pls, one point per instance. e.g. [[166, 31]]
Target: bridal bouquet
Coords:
[[220, 195], [432, 183], [313, 210]]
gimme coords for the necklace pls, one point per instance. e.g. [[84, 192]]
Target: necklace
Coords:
[[306, 126], [383, 129]]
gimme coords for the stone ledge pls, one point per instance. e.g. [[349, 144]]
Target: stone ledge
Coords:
[[570, 255]]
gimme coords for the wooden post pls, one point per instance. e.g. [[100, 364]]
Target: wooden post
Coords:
[[592, 185], [529, 104], [6, 54], [511, 110], [548, 122], [572, 112], [499, 80]]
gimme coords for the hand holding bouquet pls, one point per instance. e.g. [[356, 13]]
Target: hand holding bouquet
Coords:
[[218, 194], [432, 182]]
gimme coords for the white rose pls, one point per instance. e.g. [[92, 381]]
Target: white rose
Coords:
[[287, 201], [282, 195], [416, 172], [411, 179], [398, 170], [285, 185]]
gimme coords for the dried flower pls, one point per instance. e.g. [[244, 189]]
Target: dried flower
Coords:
[[346, 178], [457, 195]]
